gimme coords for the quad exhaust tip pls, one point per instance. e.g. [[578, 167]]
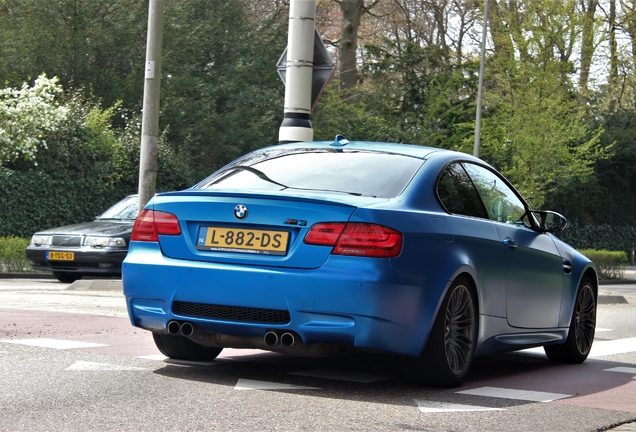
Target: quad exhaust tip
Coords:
[[187, 329], [184, 329], [271, 338], [287, 339], [174, 328]]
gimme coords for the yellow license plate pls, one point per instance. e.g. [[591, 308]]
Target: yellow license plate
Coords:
[[60, 256], [242, 240]]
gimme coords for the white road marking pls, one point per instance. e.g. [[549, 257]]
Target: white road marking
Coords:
[[598, 329], [179, 362], [106, 303], [54, 343], [158, 357], [163, 358], [92, 366], [599, 348], [333, 374], [525, 395], [622, 369], [611, 347], [246, 384], [443, 407]]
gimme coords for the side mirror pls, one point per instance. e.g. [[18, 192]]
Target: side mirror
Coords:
[[550, 221]]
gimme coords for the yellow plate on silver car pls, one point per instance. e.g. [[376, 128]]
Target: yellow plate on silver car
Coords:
[[60, 256], [221, 239]]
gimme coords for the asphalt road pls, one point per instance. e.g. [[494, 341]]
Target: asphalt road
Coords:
[[70, 360]]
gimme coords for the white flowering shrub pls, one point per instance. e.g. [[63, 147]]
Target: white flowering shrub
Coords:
[[26, 115]]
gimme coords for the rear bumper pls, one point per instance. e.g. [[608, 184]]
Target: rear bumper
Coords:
[[87, 260], [354, 302]]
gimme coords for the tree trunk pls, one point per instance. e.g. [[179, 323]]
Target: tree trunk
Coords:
[[629, 21], [587, 43], [499, 32], [613, 76], [351, 10]]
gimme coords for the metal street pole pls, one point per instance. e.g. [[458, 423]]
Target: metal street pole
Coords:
[[150, 116], [296, 125], [481, 81]]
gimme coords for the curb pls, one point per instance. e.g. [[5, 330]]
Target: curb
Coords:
[[96, 285], [5, 275], [605, 299], [617, 282]]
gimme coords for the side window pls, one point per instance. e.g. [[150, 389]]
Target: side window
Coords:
[[501, 202], [457, 193]]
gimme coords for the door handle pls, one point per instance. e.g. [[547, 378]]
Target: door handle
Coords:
[[510, 243]]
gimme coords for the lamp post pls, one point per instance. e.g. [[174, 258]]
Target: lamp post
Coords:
[[296, 126], [150, 114], [481, 81]]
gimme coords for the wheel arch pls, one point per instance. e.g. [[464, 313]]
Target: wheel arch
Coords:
[[591, 273], [467, 273], [441, 362], [470, 275], [570, 291]]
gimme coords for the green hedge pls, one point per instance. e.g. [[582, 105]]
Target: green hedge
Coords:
[[610, 264], [33, 200], [600, 237], [12, 254]]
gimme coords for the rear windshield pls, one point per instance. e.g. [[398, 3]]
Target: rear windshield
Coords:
[[363, 173], [125, 209]]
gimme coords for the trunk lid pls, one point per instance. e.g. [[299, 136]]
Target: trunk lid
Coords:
[[262, 229]]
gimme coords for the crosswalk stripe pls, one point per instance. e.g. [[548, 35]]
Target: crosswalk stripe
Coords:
[[611, 347], [158, 357], [92, 366], [53, 343], [247, 384], [622, 369], [163, 358], [504, 393], [600, 348], [444, 407]]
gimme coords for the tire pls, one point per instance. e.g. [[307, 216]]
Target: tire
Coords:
[[67, 277], [182, 348], [448, 355], [578, 344]]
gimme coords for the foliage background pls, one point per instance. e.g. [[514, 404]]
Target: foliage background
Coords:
[[559, 116]]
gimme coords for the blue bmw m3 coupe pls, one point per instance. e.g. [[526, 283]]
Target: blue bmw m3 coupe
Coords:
[[322, 247]]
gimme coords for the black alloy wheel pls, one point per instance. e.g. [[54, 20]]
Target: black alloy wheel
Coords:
[[448, 354], [578, 344], [459, 330]]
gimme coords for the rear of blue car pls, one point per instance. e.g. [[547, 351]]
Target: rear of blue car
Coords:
[[270, 253]]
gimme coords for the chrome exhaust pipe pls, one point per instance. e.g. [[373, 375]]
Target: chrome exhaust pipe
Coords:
[[187, 329], [288, 340], [270, 338], [174, 328]]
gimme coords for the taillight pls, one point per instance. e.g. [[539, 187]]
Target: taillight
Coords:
[[357, 239], [151, 223]]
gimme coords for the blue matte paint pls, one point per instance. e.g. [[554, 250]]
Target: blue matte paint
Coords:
[[523, 296]]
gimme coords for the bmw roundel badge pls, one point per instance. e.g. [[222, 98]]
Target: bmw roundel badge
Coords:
[[240, 212]]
